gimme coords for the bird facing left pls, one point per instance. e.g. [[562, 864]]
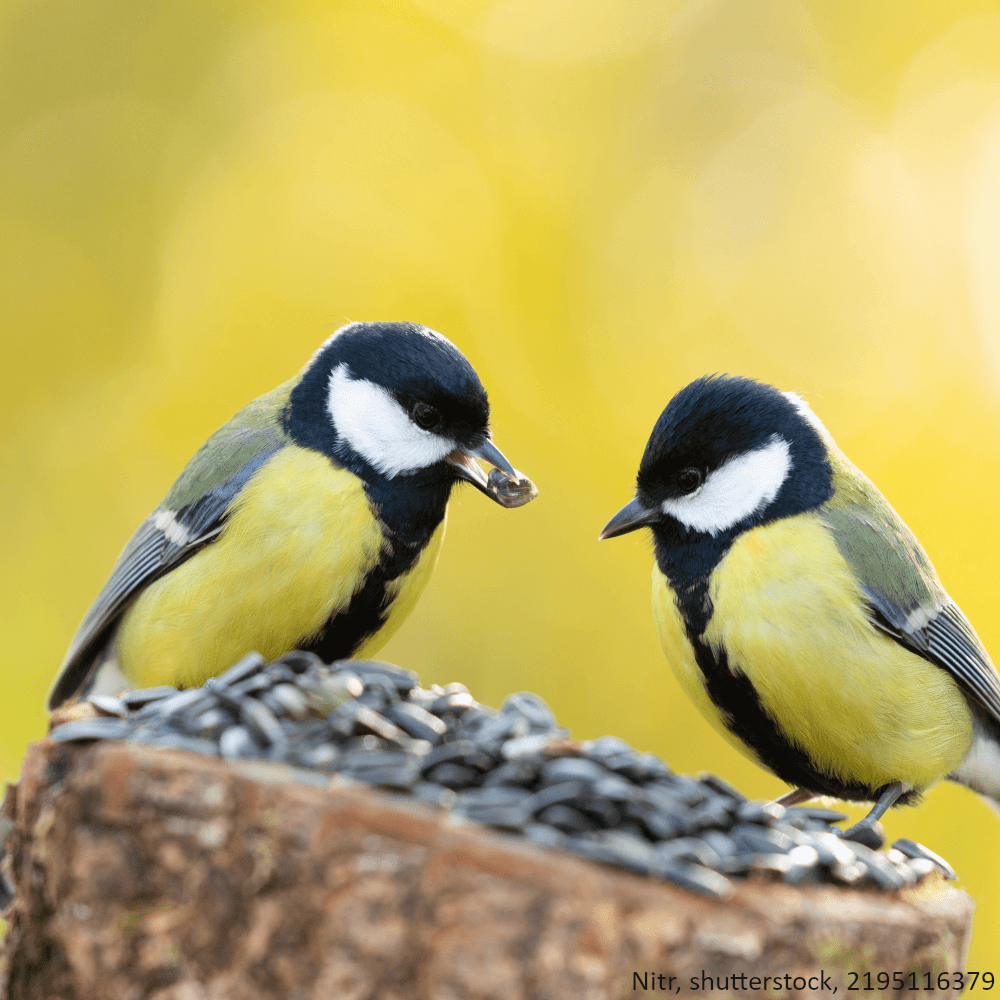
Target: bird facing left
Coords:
[[311, 520], [798, 611]]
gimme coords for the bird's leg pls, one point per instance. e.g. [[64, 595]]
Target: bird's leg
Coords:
[[794, 797], [864, 831]]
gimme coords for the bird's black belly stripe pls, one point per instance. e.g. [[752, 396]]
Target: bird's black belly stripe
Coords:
[[346, 630], [739, 704], [732, 692]]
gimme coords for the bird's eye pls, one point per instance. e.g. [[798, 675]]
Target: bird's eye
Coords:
[[424, 415], [688, 480]]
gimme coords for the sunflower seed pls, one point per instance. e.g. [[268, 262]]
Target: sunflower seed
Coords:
[[543, 833], [242, 669], [299, 661], [804, 861], [252, 685], [291, 699], [453, 776], [630, 851], [605, 812], [721, 843], [236, 741], [714, 813], [815, 813], [457, 701], [456, 751], [498, 806], [753, 839], [143, 696], [529, 706], [850, 874], [513, 770], [565, 791], [693, 877], [259, 719], [832, 850], [759, 812], [526, 746], [914, 850], [572, 768], [93, 729], [178, 741], [107, 705], [566, 819], [662, 825], [516, 772], [689, 849], [883, 871], [371, 670], [417, 722], [716, 784], [921, 867], [211, 722], [509, 493]]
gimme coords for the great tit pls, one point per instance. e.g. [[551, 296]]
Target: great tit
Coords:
[[311, 520], [798, 611]]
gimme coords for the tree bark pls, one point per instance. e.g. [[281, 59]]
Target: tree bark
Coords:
[[149, 873]]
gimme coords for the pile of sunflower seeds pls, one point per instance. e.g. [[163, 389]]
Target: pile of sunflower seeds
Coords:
[[514, 769]]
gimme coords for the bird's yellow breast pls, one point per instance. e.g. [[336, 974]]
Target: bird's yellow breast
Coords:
[[791, 616], [299, 541]]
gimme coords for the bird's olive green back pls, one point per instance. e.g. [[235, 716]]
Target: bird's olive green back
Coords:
[[255, 429], [878, 546], [911, 605]]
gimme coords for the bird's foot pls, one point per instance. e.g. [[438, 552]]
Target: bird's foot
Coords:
[[868, 834], [869, 831]]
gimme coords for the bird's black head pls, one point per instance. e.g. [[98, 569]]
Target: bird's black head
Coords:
[[392, 400], [425, 373], [726, 454]]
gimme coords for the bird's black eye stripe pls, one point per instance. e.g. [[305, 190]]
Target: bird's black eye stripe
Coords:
[[424, 415], [688, 480]]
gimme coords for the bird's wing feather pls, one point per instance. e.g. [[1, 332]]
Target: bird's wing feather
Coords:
[[906, 598], [191, 516]]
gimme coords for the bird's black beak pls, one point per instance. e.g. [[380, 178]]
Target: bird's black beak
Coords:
[[633, 515], [507, 487]]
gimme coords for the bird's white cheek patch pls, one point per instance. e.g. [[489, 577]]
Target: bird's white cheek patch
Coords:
[[738, 488], [378, 428]]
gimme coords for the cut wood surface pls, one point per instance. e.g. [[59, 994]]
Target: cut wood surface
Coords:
[[142, 872]]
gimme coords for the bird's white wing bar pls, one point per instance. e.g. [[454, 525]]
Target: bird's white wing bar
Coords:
[[378, 428], [738, 488]]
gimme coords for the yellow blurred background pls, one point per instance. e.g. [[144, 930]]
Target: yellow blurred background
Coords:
[[596, 201]]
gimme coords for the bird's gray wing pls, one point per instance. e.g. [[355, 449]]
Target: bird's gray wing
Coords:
[[906, 598], [192, 515]]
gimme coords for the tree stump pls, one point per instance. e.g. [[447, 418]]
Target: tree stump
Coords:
[[142, 872]]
